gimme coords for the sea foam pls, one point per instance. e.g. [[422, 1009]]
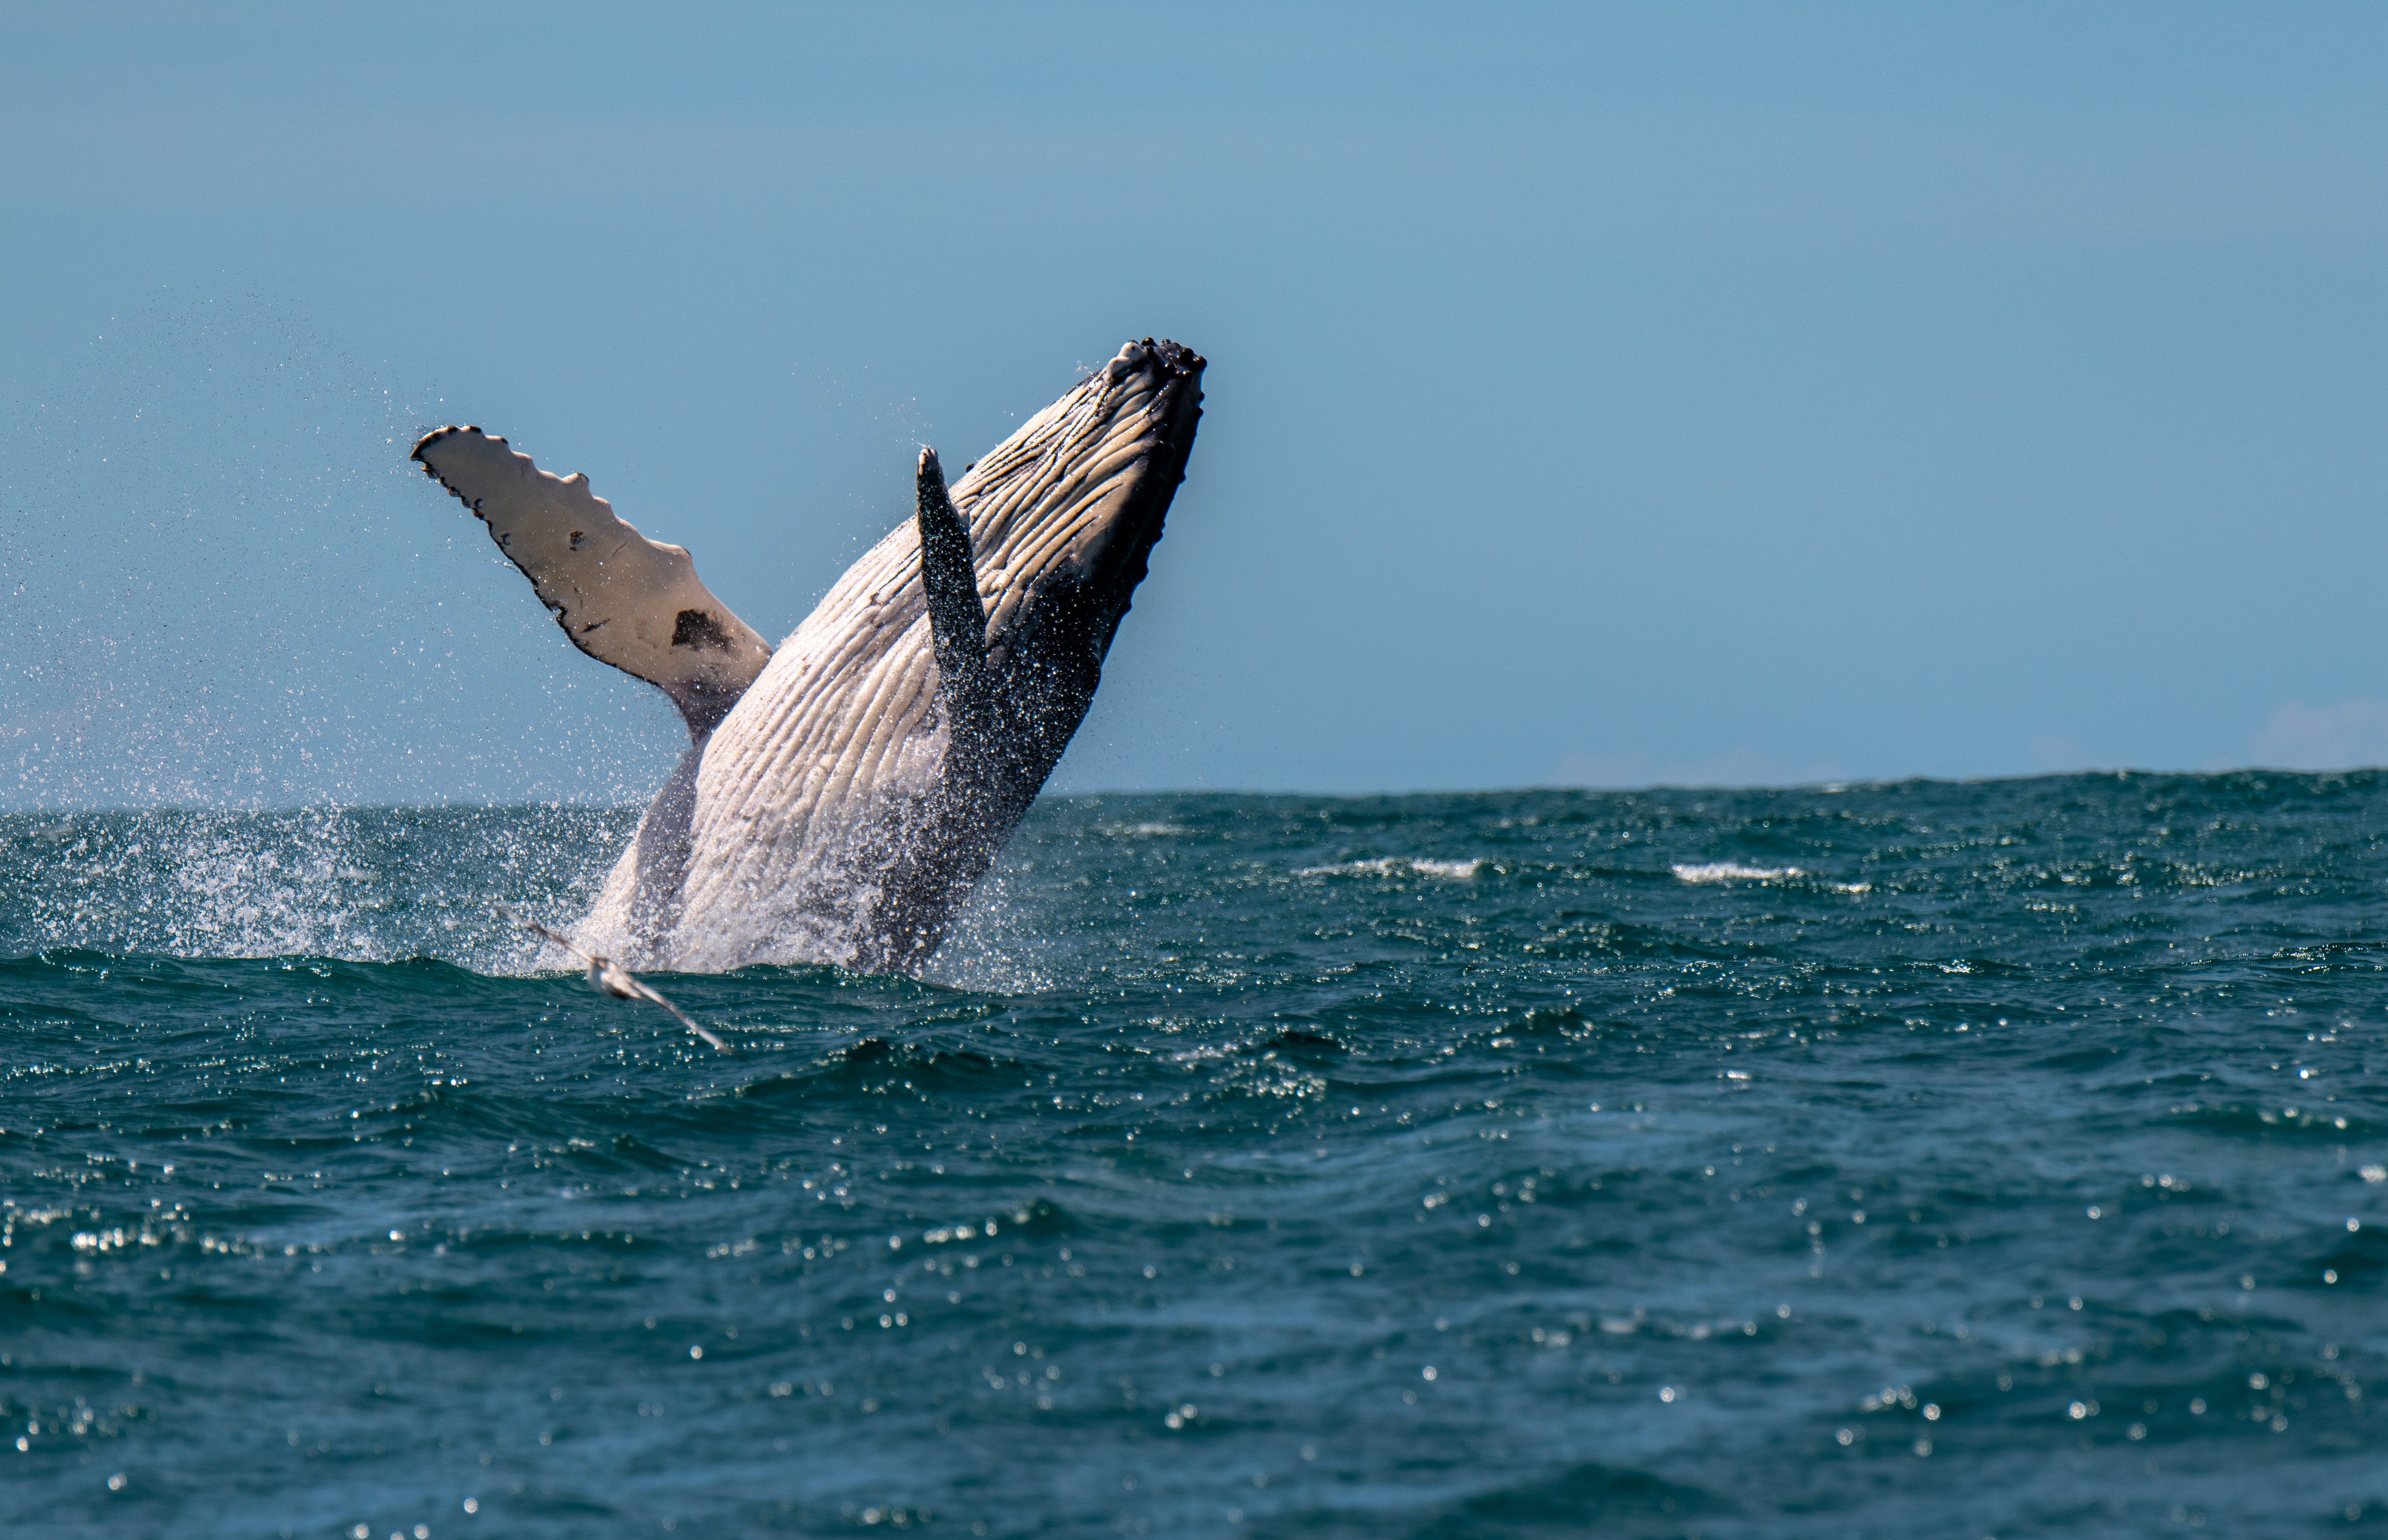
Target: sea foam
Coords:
[[1395, 866], [1732, 871]]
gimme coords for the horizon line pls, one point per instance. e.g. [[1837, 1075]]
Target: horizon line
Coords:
[[1829, 786]]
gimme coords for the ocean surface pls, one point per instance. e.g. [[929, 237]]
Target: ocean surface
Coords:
[[1925, 1159]]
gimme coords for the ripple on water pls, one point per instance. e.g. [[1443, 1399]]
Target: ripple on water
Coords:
[[1518, 1162]]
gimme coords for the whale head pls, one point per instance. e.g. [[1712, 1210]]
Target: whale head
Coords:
[[1063, 517]]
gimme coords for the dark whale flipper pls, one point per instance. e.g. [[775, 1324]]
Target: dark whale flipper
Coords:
[[956, 617]]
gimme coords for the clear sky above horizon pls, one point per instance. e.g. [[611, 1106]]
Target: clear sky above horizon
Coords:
[[1597, 395]]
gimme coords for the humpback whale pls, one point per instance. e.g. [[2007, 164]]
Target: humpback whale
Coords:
[[843, 794]]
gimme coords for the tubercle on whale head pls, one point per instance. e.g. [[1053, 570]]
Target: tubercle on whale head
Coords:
[[1049, 657], [1108, 560]]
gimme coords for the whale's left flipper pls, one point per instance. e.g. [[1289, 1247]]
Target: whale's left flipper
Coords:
[[622, 598]]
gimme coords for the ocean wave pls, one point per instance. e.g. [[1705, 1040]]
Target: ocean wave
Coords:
[[1392, 865], [1235, 1091], [1149, 829], [1733, 871]]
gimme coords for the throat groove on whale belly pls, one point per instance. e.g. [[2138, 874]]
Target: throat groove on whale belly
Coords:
[[843, 810]]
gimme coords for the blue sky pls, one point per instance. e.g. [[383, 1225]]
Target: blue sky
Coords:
[[1598, 395]]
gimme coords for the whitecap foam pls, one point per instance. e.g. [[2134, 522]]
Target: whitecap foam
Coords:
[[1733, 871], [1394, 866]]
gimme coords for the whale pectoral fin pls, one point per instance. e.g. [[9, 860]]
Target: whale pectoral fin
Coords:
[[622, 598], [949, 581]]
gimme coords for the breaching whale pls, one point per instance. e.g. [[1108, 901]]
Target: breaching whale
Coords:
[[842, 794]]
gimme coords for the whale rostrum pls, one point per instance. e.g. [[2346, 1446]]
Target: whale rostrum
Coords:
[[843, 796]]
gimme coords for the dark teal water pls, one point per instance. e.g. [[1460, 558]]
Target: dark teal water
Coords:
[[1923, 1159]]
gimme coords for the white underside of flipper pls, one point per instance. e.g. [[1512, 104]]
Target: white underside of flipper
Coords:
[[813, 784], [622, 598]]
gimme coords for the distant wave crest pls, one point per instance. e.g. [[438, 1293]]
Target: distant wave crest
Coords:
[[1733, 871], [1395, 866]]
